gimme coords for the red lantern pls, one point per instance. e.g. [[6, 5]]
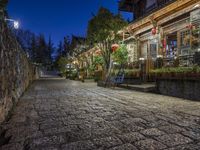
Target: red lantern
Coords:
[[190, 26], [164, 43], [153, 31], [114, 47]]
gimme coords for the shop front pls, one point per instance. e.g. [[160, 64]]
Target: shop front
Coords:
[[182, 40], [168, 37]]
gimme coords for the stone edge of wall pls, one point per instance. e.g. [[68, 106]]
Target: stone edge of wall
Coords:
[[181, 88]]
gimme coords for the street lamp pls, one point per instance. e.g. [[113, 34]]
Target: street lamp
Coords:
[[15, 23]]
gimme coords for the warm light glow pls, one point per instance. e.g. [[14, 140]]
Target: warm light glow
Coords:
[[159, 56], [141, 59], [197, 6]]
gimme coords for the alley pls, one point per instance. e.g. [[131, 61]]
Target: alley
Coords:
[[56, 114]]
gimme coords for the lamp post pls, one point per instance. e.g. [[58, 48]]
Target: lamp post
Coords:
[[15, 23]]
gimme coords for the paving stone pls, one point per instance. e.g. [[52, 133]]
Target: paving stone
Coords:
[[107, 142], [173, 139], [80, 145], [152, 132], [104, 132], [13, 146], [131, 137], [186, 147], [44, 141], [57, 130], [192, 134], [58, 113], [150, 144], [46, 148], [124, 147], [172, 129], [52, 124]]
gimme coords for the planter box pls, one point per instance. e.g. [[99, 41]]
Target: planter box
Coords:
[[187, 88]]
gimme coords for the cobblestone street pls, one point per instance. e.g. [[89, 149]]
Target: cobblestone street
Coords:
[[70, 115]]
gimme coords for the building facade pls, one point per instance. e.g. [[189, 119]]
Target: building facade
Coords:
[[164, 29]]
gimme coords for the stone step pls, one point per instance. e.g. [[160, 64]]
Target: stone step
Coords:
[[147, 87]]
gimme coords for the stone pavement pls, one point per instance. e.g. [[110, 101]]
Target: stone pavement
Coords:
[[59, 114]]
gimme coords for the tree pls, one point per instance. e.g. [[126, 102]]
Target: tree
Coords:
[[33, 47], [24, 38], [42, 51], [3, 11], [120, 55], [61, 63], [66, 46], [50, 50], [60, 49], [102, 32]]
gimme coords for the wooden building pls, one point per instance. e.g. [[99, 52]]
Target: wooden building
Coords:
[[167, 29]]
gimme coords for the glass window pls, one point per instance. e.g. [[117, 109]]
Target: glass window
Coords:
[[195, 38], [185, 38]]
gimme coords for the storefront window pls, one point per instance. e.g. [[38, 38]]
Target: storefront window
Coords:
[[195, 38], [185, 38], [144, 48], [153, 49], [171, 49], [185, 42]]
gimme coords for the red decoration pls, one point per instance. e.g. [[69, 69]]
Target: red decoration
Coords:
[[114, 47], [164, 43], [190, 26], [153, 31]]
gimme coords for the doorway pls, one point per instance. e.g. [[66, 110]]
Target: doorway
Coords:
[[171, 47]]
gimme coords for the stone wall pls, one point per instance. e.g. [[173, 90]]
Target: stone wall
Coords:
[[16, 72], [182, 88]]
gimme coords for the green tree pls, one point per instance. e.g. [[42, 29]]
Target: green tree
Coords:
[[66, 46], [60, 49], [102, 32], [120, 55], [3, 13], [33, 47], [98, 60], [42, 51], [61, 64], [50, 50]]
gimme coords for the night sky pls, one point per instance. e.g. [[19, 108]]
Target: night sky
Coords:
[[57, 17]]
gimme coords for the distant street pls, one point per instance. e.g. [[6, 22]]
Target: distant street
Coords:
[[57, 114]]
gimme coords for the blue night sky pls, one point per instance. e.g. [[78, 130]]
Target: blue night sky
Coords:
[[57, 17]]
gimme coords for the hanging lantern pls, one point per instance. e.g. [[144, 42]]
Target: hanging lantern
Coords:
[[164, 43], [190, 26], [153, 31], [114, 47]]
